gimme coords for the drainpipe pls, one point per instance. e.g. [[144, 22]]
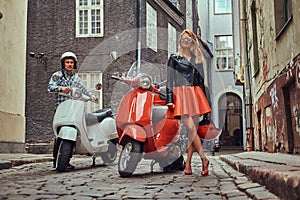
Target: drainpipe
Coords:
[[139, 34], [245, 65]]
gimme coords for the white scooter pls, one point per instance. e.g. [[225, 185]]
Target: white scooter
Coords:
[[83, 133]]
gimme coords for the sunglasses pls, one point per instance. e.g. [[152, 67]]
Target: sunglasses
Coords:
[[186, 39]]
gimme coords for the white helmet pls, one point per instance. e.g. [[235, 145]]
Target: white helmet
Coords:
[[68, 54]]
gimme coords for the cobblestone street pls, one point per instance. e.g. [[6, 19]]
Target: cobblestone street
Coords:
[[37, 181]]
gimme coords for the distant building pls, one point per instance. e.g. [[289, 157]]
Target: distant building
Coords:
[[219, 29], [271, 73]]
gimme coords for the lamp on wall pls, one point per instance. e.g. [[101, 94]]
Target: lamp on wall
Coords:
[[40, 58]]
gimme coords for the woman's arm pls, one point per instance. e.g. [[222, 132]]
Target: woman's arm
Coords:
[[170, 78]]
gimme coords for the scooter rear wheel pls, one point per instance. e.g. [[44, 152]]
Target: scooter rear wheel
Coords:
[[111, 154], [129, 158]]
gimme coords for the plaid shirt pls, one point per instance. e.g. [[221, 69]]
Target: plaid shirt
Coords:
[[62, 79]]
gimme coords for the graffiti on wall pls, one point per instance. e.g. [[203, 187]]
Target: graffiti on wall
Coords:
[[274, 98], [297, 118], [271, 127]]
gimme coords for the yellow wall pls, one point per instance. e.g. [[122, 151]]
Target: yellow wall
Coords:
[[12, 70]]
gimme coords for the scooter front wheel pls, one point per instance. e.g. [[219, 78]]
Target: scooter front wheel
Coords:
[[129, 158], [64, 155]]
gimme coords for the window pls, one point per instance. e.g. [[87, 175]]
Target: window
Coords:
[[171, 39], [223, 6], [90, 80], [224, 52], [89, 18], [283, 14], [255, 67], [189, 15], [175, 3], [151, 27]]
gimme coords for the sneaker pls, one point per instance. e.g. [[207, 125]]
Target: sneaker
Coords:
[[70, 167], [53, 166]]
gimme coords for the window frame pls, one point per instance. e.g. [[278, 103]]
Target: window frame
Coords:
[[151, 27], [172, 39], [89, 9], [225, 3], [281, 22], [189, 15], [227, 49]]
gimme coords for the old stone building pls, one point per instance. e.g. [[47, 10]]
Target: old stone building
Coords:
[[107, 37], [271, 36]]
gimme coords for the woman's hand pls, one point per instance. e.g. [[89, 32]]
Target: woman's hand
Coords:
[[171, 105]]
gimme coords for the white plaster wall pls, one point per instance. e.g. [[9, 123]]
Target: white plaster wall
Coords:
[[12, 70]]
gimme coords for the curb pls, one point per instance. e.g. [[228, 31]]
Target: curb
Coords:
[[9, 163], [281, 180]]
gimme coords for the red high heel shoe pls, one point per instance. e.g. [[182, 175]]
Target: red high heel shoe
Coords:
[[188, 171], [204, 171]]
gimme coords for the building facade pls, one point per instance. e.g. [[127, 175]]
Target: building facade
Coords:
[[13, 15], [270, 36], [219, 27]]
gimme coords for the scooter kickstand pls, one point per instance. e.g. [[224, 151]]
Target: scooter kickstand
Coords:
[[152, 165], [94, 161]]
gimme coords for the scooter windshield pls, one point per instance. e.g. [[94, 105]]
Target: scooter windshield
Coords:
[[157, 71]]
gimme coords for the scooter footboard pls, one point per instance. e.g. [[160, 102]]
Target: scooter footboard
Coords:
[[68, 133]]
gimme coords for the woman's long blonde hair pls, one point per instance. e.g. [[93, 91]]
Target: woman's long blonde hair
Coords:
[[195, 49]]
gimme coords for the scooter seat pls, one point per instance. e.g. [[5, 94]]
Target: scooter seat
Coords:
[[98, 116]]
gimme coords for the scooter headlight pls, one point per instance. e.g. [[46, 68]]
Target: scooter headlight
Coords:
[[145, 81], [76, 93]]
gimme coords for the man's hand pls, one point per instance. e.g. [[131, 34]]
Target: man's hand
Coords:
[[66, 89], [95, 99]]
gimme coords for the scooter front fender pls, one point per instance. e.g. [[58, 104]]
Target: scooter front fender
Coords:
[[135, 132], [68, 133]]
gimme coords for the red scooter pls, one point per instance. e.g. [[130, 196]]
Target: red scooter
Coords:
[[146, 127]]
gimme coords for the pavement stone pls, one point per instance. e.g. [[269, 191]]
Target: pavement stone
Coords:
[[278, 173]]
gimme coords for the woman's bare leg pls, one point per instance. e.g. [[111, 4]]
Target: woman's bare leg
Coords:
[[193, 142]]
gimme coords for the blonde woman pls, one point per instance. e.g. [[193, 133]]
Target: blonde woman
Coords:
[[185, 93]]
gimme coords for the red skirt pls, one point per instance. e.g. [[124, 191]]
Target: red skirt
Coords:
[[190, 100]]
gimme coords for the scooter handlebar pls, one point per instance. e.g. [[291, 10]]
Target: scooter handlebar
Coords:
[[116, 77]]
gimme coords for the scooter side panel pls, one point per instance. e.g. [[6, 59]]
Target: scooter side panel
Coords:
[[108, 127], [168, 134]]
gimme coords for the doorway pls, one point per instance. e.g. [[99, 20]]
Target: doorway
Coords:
[[231, 121]]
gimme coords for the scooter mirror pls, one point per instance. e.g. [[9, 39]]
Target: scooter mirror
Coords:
[[98, 86]]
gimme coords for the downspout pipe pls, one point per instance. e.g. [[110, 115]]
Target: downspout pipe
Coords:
[[139, 34]]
